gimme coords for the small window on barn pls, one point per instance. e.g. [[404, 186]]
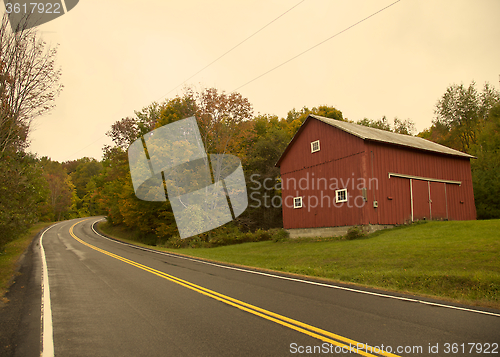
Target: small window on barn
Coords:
[[315, 146], [297, 202], [341, 195]]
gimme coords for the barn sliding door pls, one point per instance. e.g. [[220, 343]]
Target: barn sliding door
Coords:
[[438, 200], [429, 200], [421, 207], [429, 196]]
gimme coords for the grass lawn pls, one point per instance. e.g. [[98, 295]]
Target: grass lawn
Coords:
[[9, 258], [457, 261]]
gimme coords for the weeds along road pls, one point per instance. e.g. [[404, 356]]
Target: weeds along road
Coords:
[[103, 298]]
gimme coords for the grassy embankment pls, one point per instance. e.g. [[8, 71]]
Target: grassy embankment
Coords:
[[10, 257], [455, 261]]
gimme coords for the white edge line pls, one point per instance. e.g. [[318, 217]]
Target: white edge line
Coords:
[[47, 329], [299, 280]]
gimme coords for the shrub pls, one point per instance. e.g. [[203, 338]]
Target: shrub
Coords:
[[354, 233], [261, 235], [281, 236]]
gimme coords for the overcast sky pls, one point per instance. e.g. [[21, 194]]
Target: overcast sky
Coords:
[[118, 56]]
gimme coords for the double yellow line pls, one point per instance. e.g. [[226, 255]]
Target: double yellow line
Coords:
[[309, 330]]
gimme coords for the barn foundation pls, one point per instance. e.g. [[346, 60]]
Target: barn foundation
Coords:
[[332, 231]]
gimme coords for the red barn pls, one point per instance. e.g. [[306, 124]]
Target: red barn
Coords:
[[339, 174]]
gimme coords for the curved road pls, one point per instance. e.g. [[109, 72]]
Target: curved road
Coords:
[[105, 298]]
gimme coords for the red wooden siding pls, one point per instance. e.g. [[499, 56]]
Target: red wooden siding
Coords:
[[344, 157], [438, 200], [339, 161], [420, 200], [393, 159], [334, 144]]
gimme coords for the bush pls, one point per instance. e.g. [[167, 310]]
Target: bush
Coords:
[[354, 233], [281, 236], [226, 235], [261, 235]]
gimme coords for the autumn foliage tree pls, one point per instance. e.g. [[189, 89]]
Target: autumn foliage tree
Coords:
[[29, 84]]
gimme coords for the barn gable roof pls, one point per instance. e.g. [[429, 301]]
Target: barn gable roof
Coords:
[[383, 136]]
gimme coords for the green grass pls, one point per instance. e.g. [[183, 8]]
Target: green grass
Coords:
[[10, 257], [456, 261]]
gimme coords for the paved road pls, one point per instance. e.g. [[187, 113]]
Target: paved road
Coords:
[[110, 299]]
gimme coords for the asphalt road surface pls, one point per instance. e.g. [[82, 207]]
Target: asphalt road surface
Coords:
[[104, 298]]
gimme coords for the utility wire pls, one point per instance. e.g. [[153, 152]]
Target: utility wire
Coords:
[[92, 143], [316, 45], [208, 65], [218, 58]]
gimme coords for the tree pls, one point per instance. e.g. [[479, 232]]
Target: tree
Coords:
[[23, 191], [382, 124], [264, 143], [218, 116], [296, 118], [62, 190], [177, 109], [469, 121], [406, 127], [83, 173], [486, 168], [461, 111], [29, 83]]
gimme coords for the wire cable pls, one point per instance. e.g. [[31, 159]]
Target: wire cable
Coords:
[[233, 48], [316, 45]]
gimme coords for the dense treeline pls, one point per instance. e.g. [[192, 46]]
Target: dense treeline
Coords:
[[227, 125]]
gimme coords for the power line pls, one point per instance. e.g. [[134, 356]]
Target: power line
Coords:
[[225, 53], [208, 65], [92, 143], [316, 45]]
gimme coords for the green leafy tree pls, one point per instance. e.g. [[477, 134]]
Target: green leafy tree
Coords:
[[468, 120], [406, 127], [486, 169], [83, 173], [81, 176], [23, 192], [269, 138], [462, 110], [62, 190], [296, 118]]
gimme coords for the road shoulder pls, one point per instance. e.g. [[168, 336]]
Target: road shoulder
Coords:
[[20, 316]]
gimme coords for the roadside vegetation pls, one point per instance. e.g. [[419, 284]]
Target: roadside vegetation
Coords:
[[228, 234], [9, 258], [456, 261]]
